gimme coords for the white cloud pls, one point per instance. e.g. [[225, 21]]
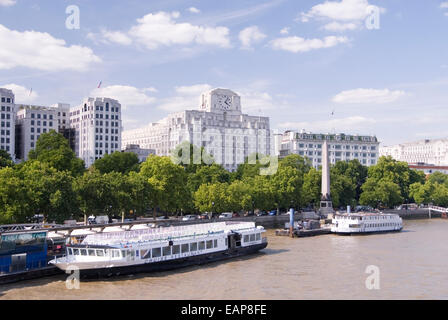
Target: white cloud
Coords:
[[161, 29], [344, 15], [250, 35], [106, 36], [354, 123], [194, 10], [22, 94], [41, 51], [444, 5], [340, 27], [187, 98], [7, 3], [367, 96], [284, 31], [128, 96], [297, 44], [344, 10]]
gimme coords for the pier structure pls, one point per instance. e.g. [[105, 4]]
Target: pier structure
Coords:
[[326, 204]]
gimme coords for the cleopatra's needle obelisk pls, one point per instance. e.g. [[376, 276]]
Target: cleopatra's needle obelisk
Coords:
[[326, 205]]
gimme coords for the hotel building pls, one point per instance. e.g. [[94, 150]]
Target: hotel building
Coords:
[[97, 124], [7, 121], [218, 125], [342, 147], [427, 151]]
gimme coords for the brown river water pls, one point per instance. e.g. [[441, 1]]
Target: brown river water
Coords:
[[412, 264]]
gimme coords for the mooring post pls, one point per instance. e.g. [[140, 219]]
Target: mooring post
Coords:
[[291, 222]]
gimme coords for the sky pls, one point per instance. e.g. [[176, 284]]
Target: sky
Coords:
[[374, 67]]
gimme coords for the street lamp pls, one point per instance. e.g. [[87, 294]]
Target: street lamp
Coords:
[[213, 207]]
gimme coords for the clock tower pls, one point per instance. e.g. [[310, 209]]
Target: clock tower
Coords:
[[220, 100]]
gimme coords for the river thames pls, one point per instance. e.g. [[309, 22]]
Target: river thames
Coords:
[[412, 265]]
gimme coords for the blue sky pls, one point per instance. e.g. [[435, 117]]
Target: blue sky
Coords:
[[294, 61]]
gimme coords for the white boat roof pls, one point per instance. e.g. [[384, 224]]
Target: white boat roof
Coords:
[[165, 234], [363, 214]]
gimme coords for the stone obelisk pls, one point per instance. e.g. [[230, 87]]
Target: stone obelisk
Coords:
[[326, 205]]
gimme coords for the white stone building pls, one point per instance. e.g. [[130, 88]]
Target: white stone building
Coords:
[[7, 121], [31, 122], [141, 153], [342, 147], [427, 151], [218, 125], [97, 124]]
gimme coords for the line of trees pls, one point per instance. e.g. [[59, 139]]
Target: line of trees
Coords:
[[55, 184]]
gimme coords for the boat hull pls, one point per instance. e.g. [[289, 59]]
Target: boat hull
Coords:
[[351, 233], [169, 264]]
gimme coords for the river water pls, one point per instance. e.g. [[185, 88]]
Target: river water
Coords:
[[411, 264]]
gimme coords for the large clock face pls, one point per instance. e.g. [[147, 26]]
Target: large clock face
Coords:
[[224, 102]]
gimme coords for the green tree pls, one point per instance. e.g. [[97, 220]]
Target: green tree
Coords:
[[380, 193], [14, 203], [239, 196], [312, 182], [261, 192], [286, 185], [438, 177], [353, 170], [212, 198], [122, 162], [397, 172], [169, 183], [5, 159], [54, 149], [49, 191]]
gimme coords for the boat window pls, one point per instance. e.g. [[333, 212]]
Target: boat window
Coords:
[[176, 249], [226, 242], [215, 243], [201, 245], [209, 244], [185, 248], [76, 252], [91, 252], [258, 236], [194, 246], [70, 252], [115, 253], [252, 237], [83, 252], [166, 251], [123, 253], [100, 253], [145, 254], [246, 238], [156, 252]]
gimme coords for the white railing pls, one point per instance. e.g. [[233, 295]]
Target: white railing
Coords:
[[439, 209], [167, 233]]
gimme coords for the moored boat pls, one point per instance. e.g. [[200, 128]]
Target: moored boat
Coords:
[[364, 223], [158, 249]]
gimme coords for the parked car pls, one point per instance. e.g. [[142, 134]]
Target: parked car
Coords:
[[235, 215], [162, 218], [203, 217], [273, 212], [189, 217], [225, 215], [262, 213]]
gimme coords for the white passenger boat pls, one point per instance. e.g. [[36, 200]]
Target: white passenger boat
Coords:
[[360, 223], [157, 249]]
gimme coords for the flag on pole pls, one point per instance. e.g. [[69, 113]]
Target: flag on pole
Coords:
[[99, 84]]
